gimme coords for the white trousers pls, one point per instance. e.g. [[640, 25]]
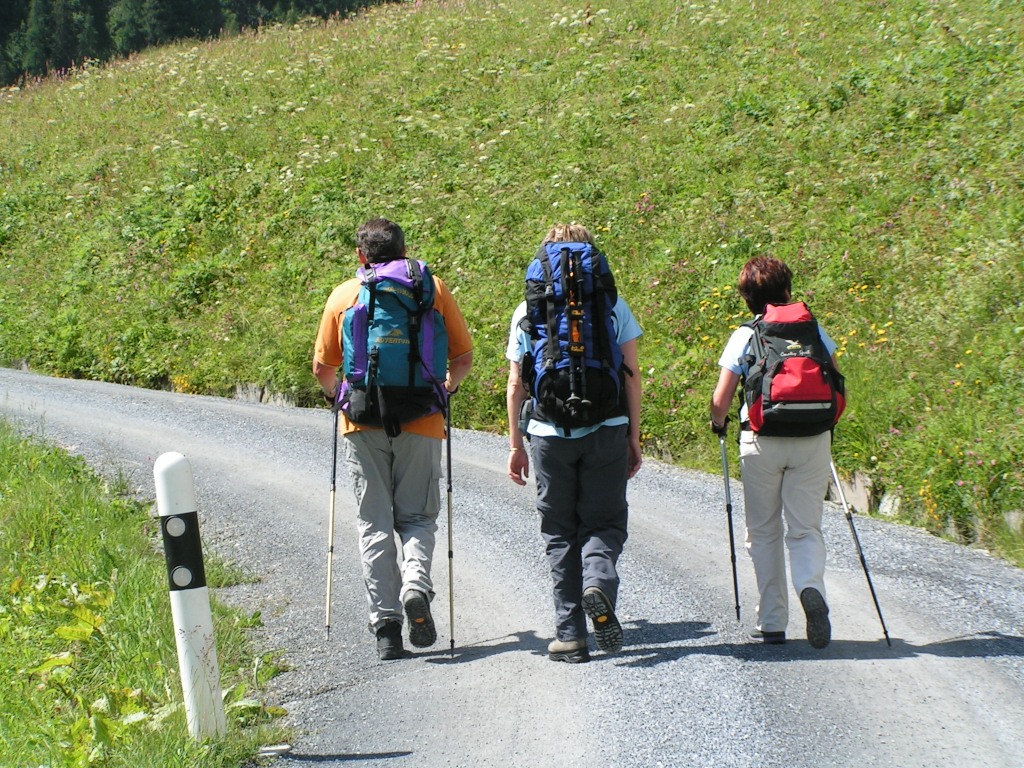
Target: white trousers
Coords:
[[785, 480], [395, 482]]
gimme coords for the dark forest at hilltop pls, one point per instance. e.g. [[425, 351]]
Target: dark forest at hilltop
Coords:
[[40, 37]]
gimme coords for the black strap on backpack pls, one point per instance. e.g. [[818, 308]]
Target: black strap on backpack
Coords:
[[415, 275], [757, 350], [598, 303], [754, 352], [370, 281], [550, 313], [549, 302]]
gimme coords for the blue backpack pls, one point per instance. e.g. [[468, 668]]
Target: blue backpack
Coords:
[[395, 347], [574, 369]]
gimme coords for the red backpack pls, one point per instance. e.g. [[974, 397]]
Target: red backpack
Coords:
[[791, 389]]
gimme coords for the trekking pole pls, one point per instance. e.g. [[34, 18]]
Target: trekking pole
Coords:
[[330, 523], [577, 344], [860, 552], [572, 288], [728, 513], [451, 551]]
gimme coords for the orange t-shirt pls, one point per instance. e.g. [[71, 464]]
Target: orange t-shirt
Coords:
[[328, 350]]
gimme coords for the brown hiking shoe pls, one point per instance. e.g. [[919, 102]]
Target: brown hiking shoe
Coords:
[[571, 651]]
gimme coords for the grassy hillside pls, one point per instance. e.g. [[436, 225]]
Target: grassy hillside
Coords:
[[178, 220]]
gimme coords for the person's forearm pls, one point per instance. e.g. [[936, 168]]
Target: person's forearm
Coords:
[[633, 398], [724, 392], [515, 396], [514, 403], [719, 413], [458, 369], [327, 375]]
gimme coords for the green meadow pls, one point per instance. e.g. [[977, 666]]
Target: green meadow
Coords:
[[178, 219]]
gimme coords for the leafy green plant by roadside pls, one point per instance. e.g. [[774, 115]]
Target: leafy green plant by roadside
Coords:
[[86, 637]]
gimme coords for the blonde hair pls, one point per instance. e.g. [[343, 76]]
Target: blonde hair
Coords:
[[569, 233]]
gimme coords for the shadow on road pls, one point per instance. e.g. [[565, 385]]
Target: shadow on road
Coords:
[[649, 644], [293, 757], [519, 641]]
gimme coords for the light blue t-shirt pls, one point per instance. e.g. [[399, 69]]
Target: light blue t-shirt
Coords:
[[626, 329]]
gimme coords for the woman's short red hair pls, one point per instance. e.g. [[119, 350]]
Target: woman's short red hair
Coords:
[[764, 280]]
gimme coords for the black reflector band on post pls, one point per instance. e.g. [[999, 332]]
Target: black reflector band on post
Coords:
[[183, 551]]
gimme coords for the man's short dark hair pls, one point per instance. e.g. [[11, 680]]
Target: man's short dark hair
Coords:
[[381, 240]]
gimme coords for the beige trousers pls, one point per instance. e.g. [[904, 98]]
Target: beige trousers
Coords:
[[784, 484], [396, 486]]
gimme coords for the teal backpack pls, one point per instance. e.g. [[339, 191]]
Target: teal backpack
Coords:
[[395, 347]]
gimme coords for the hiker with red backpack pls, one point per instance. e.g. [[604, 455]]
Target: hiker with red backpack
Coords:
[[792, 396], [396, 336], [573, 401]]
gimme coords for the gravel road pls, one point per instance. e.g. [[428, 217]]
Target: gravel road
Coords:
[[689, 688]]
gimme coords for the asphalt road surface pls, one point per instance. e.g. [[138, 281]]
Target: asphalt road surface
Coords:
[[689, 687]]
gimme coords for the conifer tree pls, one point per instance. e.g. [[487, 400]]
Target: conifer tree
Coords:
[[134, 24], [40, 36], [13, 21], [36, 55]]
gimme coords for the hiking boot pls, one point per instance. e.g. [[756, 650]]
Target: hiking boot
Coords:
[[571, 651], [819, 630], [769, 638], [607, 630], [422, 632], [389, 641]]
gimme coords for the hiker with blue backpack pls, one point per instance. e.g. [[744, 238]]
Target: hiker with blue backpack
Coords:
[[792, 395], [573, 401], [397, 338]]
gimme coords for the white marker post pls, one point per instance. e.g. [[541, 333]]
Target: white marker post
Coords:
[[190, 599]]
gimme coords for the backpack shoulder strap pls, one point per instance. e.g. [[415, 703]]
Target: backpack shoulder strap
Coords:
[[755, 349], [602, 302], [549, 299], [370, 280], [415, 275], [756, 342]]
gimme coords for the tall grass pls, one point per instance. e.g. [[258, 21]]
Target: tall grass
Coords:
[[178, 220], [87, 651]]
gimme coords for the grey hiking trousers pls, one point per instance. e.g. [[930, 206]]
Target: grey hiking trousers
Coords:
[[581, 497], [396, 485]]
